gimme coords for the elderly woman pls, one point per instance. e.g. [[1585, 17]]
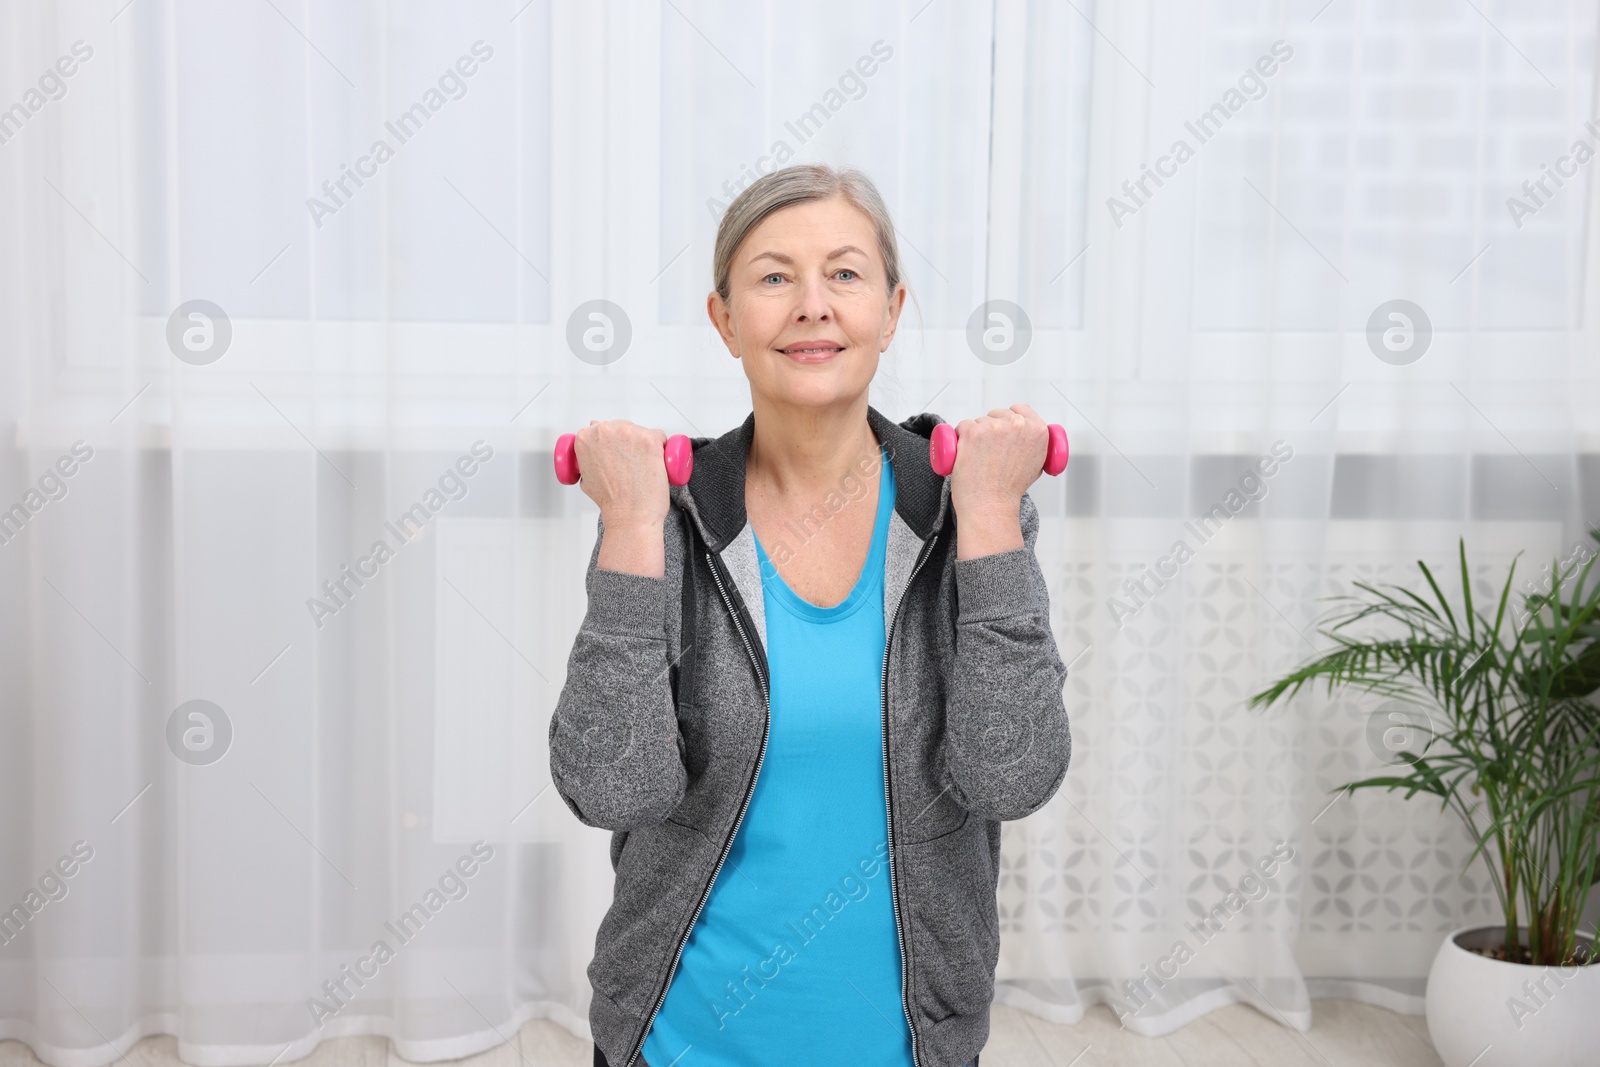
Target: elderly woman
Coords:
[[810, 683]]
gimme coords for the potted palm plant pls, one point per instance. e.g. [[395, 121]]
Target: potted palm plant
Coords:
[[1513, 749]]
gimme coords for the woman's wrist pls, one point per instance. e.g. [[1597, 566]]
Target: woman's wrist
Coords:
[[985, 530], [633, 546]]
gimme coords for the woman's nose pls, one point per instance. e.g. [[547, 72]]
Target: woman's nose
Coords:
[[813, 304]]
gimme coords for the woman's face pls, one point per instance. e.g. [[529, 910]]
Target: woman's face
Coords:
[[809, 310]]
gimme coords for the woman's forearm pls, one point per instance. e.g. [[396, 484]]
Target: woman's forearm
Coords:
[[615, 754], [1007, 739], [633, 548], [985, 532]]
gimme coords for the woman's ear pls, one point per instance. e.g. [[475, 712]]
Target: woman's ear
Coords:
[[897, 303], [721, 317]]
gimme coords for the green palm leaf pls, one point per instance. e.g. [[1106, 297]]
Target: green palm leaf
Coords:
[[1517, 752]]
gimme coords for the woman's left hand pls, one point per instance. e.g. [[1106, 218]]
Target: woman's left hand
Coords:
[[997, 457]]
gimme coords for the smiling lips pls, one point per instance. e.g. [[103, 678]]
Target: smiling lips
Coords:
[[818, 351]]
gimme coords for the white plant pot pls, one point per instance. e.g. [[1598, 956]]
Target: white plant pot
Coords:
[[1485, 1012]]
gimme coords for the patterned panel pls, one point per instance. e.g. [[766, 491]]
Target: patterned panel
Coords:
[[1177, 788]]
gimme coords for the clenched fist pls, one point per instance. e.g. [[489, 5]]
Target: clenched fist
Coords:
[[623, 473], [997, 457]]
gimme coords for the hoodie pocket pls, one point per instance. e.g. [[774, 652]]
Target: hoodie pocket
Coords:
[[952, 922], [660, 873]]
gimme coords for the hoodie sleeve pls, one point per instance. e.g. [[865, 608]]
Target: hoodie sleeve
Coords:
[[615, 750], [1007, 740]]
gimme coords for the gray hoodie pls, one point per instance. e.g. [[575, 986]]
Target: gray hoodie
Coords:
[[661, 728]]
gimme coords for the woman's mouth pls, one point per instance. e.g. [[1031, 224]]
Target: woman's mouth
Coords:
[[812, 351]]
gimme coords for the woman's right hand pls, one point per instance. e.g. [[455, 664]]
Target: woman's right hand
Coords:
[[623, 471]]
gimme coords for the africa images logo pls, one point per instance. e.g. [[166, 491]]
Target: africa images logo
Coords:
[[851, 85], [452, 885], [52, 487], [407, 527], [1252, 85], [451, 85]]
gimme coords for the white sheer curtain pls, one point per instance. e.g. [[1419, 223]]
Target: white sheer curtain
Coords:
[[403, 342]]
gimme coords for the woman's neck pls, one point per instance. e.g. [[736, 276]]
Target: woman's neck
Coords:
[[804, 450]]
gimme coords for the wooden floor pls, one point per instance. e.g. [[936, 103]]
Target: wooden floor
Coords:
[[1343, 1034]]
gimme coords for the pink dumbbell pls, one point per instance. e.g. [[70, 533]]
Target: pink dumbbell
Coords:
[[677, 454], [942, 450]]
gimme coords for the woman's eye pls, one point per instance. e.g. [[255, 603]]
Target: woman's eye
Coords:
[[769, 277], [847, 271]]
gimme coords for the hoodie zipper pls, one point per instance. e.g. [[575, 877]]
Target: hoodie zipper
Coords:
[[888, 800], [744, 805]]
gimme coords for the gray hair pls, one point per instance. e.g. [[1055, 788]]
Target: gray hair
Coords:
[[800, 184]]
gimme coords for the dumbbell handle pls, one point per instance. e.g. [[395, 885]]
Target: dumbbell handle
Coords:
[[942, 449], [677, 454]]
